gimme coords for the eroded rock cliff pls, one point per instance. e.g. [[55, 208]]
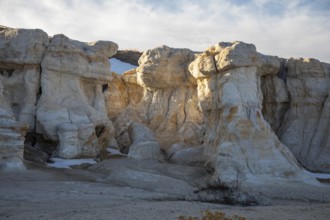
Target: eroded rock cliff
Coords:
[[239, 143], [164, 98], [232, 103], [245, 115], [51, 96], [21, 52], [297, 106], [71, 108]]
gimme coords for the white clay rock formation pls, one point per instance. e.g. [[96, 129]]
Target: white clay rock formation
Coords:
[[248, 116], [305, 126], [21, 52], [160, 94], [71, 81], [239, 142], [296, 104], [144, 144], [47, 82]]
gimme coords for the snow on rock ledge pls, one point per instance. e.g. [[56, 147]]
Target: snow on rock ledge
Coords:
[[67, 163]]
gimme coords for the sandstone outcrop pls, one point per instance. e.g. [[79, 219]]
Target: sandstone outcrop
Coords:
[[71, 80], [161, 94], [128, 56], [51, 94], [239, 143], [298, 108], [244, 116], [21, 52], [123, 91], [12, 135]]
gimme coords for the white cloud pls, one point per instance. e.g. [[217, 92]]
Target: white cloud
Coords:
[[298, 28]]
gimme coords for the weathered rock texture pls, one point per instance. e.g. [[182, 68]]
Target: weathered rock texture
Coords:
[[232, 103], [52, 89], [238, 141], [144, 144], [297, 106], [21, 52], [71, 80], [215, 101], [248, 116], [128, 56], [162, 95]]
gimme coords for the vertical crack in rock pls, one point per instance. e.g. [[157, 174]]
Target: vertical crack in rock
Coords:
[[186, 100], [283, 71], [37, 148], [215, 66]]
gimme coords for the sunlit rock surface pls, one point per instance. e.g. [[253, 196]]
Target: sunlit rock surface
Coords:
[[162, 95]]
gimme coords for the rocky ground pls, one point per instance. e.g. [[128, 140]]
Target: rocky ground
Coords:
[[123, 189]]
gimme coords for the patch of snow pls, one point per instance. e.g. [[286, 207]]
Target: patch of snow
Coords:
[[66, 163], [319, 175], [115, 152], [120, 67]]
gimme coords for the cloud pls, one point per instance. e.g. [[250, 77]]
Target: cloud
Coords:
[[295, 28]]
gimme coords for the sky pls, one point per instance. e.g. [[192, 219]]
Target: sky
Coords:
[[286, 28], [120, 67]]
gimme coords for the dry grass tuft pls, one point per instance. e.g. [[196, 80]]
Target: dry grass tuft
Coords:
[[208, 215]]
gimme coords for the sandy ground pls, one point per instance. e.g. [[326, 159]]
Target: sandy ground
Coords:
[[49, 193]]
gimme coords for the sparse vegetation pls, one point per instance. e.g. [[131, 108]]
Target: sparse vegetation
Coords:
[[208, 215]]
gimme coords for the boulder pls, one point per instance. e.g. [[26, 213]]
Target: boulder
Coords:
[[191, 156], [165, 67], [144, 144]]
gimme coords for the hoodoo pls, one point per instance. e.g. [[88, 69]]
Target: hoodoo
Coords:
[[229, 116]]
